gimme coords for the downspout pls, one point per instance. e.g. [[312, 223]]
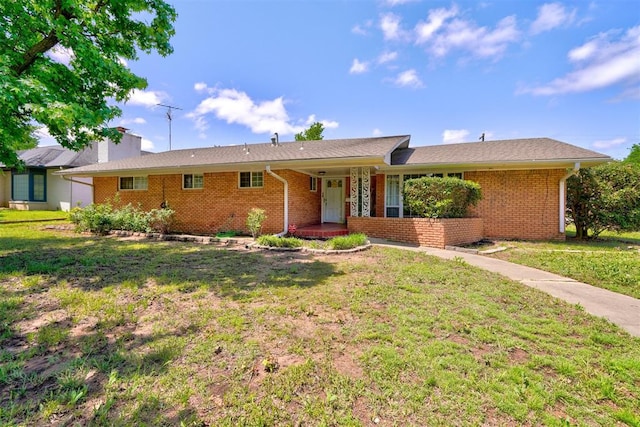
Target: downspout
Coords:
[[563, 200], [286, 199]]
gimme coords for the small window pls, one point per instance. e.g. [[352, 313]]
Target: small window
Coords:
[[190, 181], [133, 183], [313, 183], [455, 175], [251, 179]]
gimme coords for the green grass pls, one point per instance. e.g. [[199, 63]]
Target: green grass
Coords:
[[101, 331], [7, 215], [611, 262]]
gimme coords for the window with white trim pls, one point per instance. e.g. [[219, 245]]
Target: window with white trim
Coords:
[[251, 179], [133, 183], [313, 184], [393, 192], [192, 181]]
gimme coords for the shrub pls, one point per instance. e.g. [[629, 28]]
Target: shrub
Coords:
[[279, 242], [347, 242], [102, 218], [441, 197], [161, 220], [255, 218], [97, 219]]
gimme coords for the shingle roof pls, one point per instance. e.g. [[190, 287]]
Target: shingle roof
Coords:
[[495, 152], [55, 156], [355, 148]]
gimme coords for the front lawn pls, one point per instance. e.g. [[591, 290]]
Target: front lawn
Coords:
[[108, 331], [9, 215], [611, 263]]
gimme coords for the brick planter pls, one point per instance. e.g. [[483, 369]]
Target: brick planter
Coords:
[[436, 233]]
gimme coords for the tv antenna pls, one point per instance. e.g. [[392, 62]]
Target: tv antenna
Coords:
[[170, 109]]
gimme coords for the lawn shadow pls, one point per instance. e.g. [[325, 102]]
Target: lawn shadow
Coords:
[[93, 263]]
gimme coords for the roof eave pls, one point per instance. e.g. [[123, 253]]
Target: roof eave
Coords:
[[233, 167], [505, 165]]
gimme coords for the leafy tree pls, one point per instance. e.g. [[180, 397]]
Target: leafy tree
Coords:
[[72, 99], [606, 197], [313, 133], [634, 155]]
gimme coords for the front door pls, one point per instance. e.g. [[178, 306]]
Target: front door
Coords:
[[333, 197]]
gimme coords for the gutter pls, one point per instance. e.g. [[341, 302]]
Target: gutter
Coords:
[[563, 201], [286, 199], [73, 180]]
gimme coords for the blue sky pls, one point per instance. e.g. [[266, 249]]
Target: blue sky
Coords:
[[443, 72]]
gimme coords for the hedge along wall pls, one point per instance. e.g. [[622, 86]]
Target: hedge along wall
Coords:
[[436, 233]]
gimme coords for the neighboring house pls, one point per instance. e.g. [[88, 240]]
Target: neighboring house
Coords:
[[36, 187], [357, 181]]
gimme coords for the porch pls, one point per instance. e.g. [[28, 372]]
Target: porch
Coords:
[[322, 231]]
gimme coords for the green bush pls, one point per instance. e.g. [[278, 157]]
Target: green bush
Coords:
[[279, 242], [441, 197], [102, 218], [255, 218], [347, 242]]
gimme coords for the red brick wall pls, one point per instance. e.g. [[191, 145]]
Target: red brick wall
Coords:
[[420, 231], [221, 204], [379, 200], [519, 204]]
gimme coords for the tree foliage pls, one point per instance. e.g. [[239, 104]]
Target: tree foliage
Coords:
[[441, 197], [606, 197], [634, 155], [313, 133], [72, 100]]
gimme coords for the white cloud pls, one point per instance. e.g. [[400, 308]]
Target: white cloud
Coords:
[[358, 67], [200, 87], [360, 30], [454, 136], [376, 132], [61, 54], [387, 57], [393, 3], [137, 121], [435, 21], [550, 16], [409, 78], [236, 107], [146, 98], [147, 144], [328, 124], [123, 61], [390, 26], [601, 62], [609, 143]]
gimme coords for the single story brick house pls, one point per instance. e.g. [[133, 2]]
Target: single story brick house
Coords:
[[357, 182], [37, 187]]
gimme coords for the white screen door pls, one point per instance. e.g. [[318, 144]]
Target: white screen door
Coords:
[[333, 200]]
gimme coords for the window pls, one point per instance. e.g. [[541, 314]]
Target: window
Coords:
[[393, 189], [313, 183], [190, 181], [29, 186], [133, 183], [251, 179], [393, 196]]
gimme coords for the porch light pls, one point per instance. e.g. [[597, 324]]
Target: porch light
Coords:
[[321, 173]]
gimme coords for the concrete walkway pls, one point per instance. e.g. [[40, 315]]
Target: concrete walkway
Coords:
[[621, 310]]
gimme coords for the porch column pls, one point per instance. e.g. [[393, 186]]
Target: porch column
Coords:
[[362, 194]]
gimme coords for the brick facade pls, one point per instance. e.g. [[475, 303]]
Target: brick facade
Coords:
[[521, 204], [436, 233], [516, 204], [221, 204]]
